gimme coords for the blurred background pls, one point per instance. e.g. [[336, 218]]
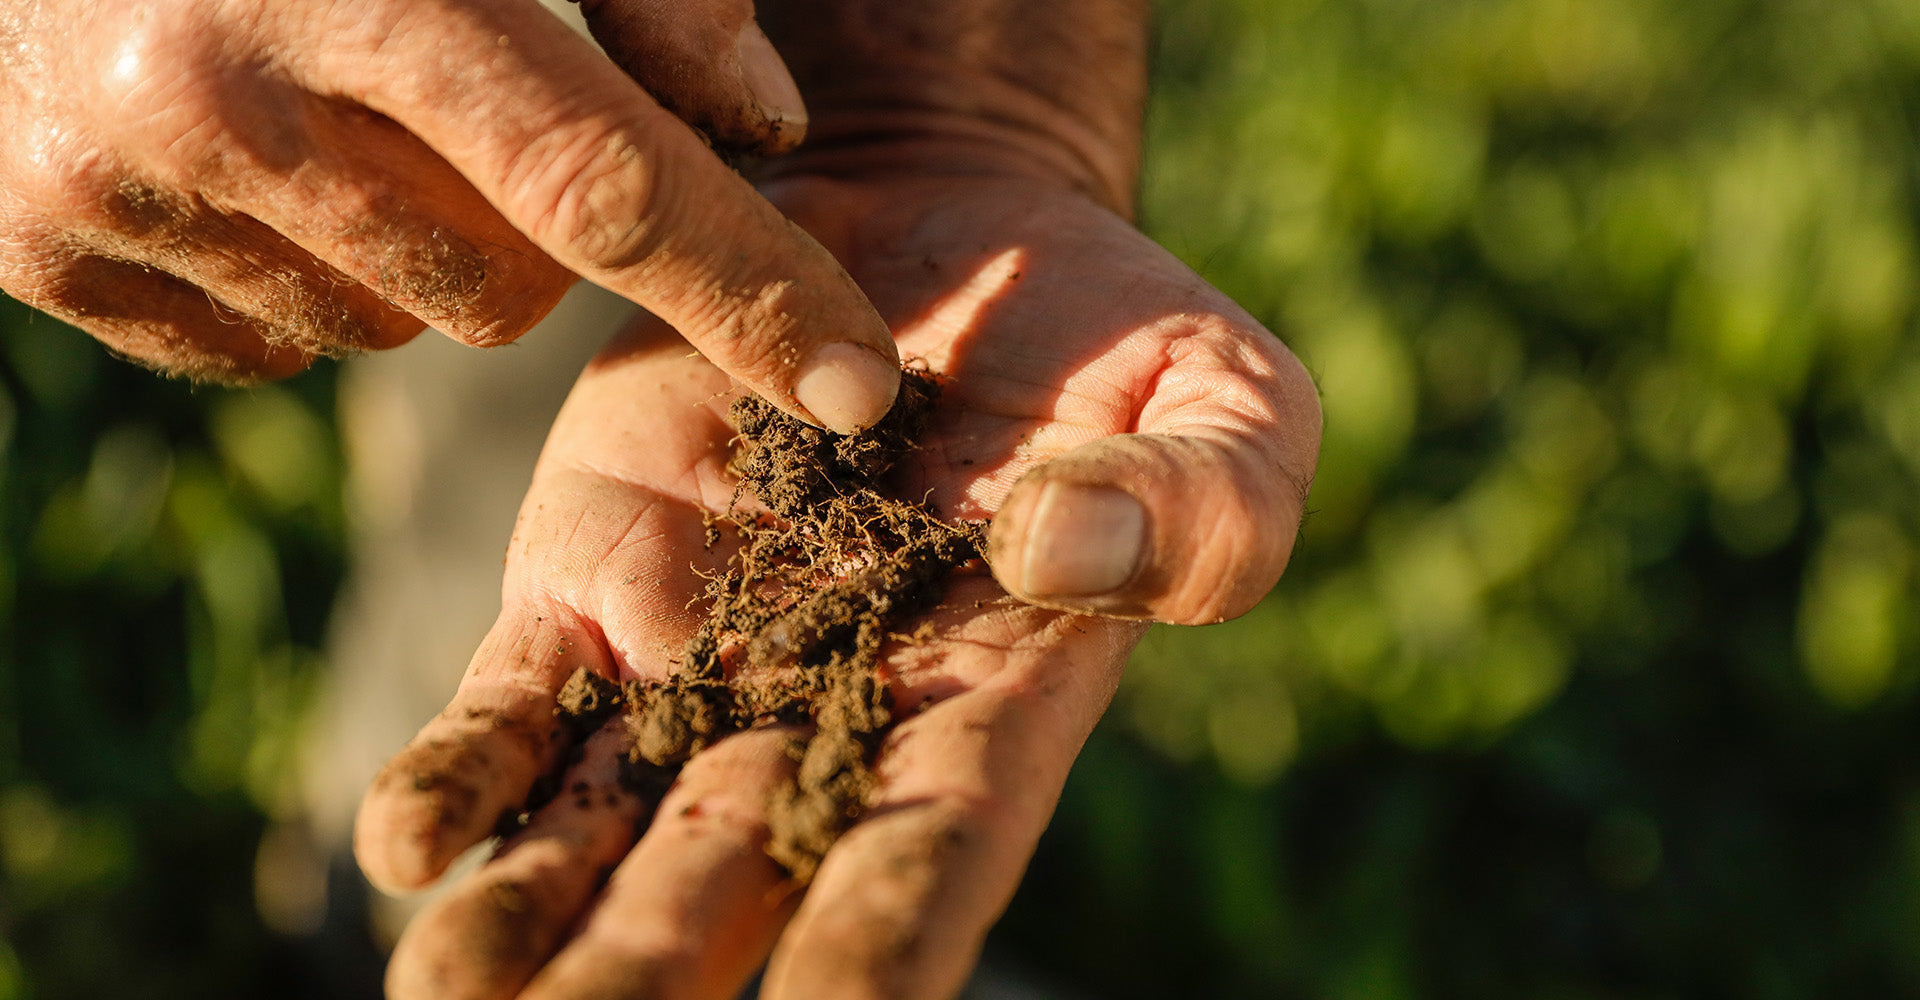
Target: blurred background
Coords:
[[1594, 675]]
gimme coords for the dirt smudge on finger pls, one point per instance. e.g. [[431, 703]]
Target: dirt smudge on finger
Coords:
[[822, 579]]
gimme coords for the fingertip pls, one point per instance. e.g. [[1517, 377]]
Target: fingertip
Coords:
[[847, 387], [490, 934], [510, 298], [387, 872], [396, 855], [437, 797], [778, 98], [487, 936]]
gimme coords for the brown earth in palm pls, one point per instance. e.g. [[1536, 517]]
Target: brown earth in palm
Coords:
[[823, 578]]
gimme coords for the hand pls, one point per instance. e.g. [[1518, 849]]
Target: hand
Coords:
[[228, 189], [1081, 360]]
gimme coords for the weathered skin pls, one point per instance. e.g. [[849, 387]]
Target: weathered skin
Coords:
[[1070, 343], [226, 189], [972, 168]]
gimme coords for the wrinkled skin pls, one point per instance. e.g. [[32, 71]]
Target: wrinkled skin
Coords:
[[225, 190], [1057, 327]]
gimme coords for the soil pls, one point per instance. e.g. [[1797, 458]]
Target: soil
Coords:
[[823, 578]]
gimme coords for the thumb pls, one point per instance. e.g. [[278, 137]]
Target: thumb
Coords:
[[1188, 528], [708, 62]]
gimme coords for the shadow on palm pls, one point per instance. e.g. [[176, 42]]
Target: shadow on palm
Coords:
[[1055, 326]]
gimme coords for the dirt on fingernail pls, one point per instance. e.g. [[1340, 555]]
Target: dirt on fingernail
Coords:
[[822, 579]]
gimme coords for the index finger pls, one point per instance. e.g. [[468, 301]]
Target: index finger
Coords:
[[585, 163]]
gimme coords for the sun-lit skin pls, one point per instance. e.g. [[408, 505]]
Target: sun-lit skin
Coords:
[[1005, 286], [228, 189], [225, 190]]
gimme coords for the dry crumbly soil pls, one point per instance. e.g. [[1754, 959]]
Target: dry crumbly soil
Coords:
[[821, 581]]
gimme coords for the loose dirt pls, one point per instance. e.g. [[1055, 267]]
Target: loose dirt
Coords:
[[822, 579]]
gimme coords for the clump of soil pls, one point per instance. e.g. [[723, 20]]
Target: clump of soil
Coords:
[[823, 578]]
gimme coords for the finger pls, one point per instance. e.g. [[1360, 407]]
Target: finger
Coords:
[[382, 209], [68, 220], [476, 761], [901, 905], [153, 318], [709, 63], [598, 576], [693, 911], [575, 155], [396, 226], [1192, 519], [489, 935], [579, 158], [299, 301]]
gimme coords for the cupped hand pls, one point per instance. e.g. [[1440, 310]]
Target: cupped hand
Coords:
[[1145, 447], [227, 189]]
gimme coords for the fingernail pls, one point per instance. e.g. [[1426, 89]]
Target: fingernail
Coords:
[[847, 388], [1082, 541], [766, 77]]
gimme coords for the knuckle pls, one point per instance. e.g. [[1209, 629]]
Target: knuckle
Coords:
[[589, 198], [152, 87], [191, 114], [1245, 547], [42, 273], [757, 322], [71, 187], [79, 190]]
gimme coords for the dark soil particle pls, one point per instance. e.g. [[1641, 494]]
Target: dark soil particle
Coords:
[[797, 622], [587, 701]]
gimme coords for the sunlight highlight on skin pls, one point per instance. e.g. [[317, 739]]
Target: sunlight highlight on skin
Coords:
[[950, 318]]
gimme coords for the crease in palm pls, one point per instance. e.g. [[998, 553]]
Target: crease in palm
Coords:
[[1040, 354]]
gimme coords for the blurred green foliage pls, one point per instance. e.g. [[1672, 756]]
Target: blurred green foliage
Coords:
[[168, 556], [1594, 674]]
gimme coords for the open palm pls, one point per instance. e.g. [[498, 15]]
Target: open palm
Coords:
[[1144, 446]]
